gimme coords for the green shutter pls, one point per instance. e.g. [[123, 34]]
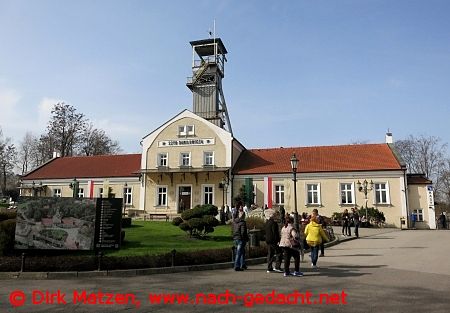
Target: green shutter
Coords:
[[248, 191]]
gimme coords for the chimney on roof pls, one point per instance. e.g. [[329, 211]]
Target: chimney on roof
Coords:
[[56, 154], [389, 138]]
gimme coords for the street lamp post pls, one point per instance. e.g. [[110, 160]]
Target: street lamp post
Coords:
[[224, 185], [365, 187], [75, 186], [294, 166], [124, 198]]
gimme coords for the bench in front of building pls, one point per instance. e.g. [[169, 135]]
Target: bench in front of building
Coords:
[[153, 216]]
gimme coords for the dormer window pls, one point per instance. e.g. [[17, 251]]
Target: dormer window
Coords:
[[186, 130]]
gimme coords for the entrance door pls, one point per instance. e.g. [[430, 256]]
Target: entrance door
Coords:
[[184, 198]]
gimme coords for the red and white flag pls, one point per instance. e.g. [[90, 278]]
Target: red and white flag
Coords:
[[91, 189], [268, 191]]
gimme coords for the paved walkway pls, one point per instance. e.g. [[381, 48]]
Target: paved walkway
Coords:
[[383, 271]]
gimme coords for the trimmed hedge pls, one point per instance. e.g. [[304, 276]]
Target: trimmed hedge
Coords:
[[7, 234], [64, 263], [7, 215]]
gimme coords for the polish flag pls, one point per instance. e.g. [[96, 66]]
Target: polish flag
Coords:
[[268, 191], [91, 189]]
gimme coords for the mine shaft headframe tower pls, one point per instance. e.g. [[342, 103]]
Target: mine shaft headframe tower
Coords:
[[208, 70]]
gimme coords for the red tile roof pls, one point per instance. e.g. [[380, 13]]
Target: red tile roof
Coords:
[[124, 165], [364, 157]]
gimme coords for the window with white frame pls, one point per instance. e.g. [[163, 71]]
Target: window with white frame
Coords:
[[347, 193], [57, 193], [80, 193], [279, 194], [100, 192], [190, 130], [419, 215], [313, 193], [127, 195], [186, 130], [162, 159], [255, 189], [208, 194], [185, 159], [208, 158], [381, 193], [161, 196]]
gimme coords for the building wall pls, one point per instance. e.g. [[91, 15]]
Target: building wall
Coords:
[[171, 133], [330, 193], [182, 179], [197, 176], [418, 200], [114, 185]]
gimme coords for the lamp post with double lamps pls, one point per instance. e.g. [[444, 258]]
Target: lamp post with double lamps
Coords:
[[224, 186], [124, 198], [294, 166], [365, 187]]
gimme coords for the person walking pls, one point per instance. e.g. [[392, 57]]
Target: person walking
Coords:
[[272, 239], [315, 235], [346, 231], [443, 221], [289, 235], [240, 237], [356, 221], [413, 220], [320, 220], [282, 214]]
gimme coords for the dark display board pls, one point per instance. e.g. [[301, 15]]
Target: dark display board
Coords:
[[108, 223]]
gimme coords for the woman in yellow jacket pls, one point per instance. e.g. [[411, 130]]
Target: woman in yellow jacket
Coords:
[[314, 237]]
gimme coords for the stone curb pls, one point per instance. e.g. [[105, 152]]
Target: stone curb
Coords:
[[143, 271]]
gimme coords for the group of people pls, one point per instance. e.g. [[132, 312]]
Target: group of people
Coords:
[[287, 242], [349, 219]]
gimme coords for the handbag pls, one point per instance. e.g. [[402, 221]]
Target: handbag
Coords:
[[294, 239]]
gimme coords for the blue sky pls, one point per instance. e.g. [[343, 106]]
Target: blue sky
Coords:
[[299, 73]]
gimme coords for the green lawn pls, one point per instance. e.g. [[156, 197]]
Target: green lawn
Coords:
[[144, 238]]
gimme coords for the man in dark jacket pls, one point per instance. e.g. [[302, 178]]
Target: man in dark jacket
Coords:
[[240, 238], [272, 240]]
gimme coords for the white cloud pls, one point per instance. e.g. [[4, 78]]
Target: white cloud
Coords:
[[44, 110], [9, 99]]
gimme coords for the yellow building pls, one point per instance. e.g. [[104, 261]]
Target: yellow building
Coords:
[[194, 159]]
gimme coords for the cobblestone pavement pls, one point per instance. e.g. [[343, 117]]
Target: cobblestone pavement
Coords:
[[383, 271]]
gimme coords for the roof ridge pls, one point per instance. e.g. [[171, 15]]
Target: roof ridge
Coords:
[[323, 146], [99, 155]]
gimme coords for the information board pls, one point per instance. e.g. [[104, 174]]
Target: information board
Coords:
[[108, 222]]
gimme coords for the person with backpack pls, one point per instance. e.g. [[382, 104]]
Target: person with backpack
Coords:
[[290, 243], [314, 237]]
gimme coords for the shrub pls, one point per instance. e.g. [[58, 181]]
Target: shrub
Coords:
[[185, 227], [177, 221], [209, 209], [7, 234], [197, 225], [126, 222], [199, 220], [255, 223], [210, 221], [7, 215], [65, 262], [192, 213]]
